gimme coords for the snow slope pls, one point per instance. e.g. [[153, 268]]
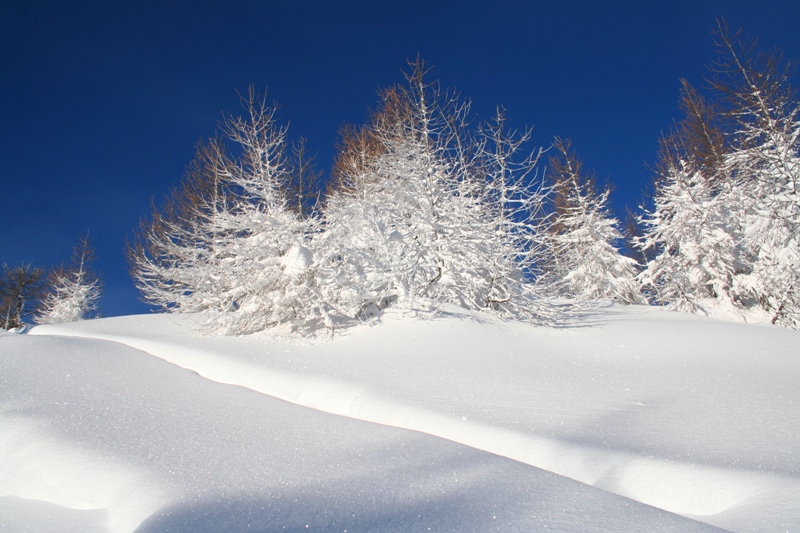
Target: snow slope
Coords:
[[694, 416]]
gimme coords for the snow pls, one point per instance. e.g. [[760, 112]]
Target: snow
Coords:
[[629, 419]]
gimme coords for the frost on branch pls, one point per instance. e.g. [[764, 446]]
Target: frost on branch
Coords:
[[723, 230], [219, 245], [585, 260], [73, 292], [422, 211]]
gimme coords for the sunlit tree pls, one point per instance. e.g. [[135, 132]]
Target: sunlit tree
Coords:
[[73, 292], [585, 259]]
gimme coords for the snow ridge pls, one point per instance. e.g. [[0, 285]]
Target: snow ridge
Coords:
[[692, 490]]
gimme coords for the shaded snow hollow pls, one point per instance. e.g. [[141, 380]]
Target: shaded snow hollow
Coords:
[[635, 419]]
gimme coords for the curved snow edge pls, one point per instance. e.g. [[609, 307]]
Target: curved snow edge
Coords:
[[692, 490]]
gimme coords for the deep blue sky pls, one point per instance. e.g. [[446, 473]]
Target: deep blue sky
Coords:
[[102, 103]]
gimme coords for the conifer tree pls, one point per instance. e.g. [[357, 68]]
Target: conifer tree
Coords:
[[227, 242], [175, 257], [392, 234], [73, 292], [690, 233], [585, 260], [20, 291], [723, 230], [304, 187], [418, 214], [765, 164]]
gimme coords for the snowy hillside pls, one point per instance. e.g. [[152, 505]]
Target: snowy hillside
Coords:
[[632, 419]]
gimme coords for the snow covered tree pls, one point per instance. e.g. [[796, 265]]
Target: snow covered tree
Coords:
[[690, 232], [304, 187], [20, 291], [585, 259], [765, 164], [391, 234], [723, 232], [693, 250], [515, 246], [267, 253], [226, 242], [73, 292], [174, 258], [415, 215]]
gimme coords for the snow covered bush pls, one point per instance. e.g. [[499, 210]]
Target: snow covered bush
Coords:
[[73, 292], [585, 260]]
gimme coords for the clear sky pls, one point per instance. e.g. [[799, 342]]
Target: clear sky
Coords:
[[102, 102]]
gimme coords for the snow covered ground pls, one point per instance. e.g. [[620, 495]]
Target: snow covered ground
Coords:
[[631, 419]]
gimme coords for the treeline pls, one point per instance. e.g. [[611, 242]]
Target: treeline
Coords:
[[421, 207]]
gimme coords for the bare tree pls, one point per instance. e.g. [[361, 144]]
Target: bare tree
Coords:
[[20, 290]]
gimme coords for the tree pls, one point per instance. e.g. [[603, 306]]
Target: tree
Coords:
[[73, 292], [175, 257], [356, 149], [690, 233], [515, 244], [226, 242], [20, 291], [417, 213], [304, 187], [386, 237], [585, 260], [723, 231], [692, 248], [765, 165]]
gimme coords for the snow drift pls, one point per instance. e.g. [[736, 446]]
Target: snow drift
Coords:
[[143, 424]]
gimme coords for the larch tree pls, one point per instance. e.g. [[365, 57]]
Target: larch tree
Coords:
[[585, 261], [175, 257], [765, 164], [227, 242], [20, 292], [305, 185], [690, 233], [514, 246], [725, 225], [73, 292], [418, 216], [392, 231]]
